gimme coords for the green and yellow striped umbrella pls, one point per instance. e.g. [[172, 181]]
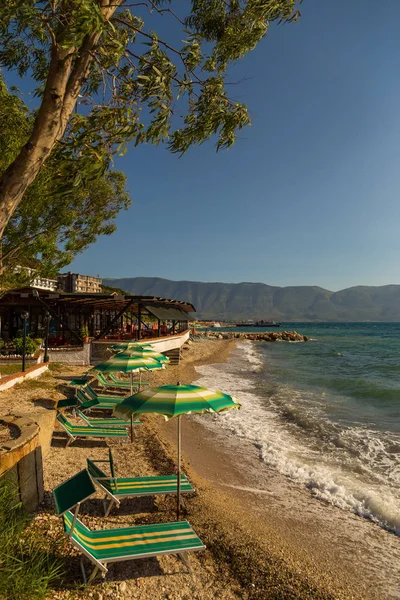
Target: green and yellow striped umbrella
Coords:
[[175, 401]]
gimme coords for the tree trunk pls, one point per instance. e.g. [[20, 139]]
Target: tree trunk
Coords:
[[64, 81]]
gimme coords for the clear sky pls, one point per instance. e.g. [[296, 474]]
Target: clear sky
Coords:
[[309, 195]]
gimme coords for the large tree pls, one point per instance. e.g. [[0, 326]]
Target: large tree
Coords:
[[132, 80], [68, 205]]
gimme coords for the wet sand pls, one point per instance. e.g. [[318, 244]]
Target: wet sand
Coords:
[[266, 537]]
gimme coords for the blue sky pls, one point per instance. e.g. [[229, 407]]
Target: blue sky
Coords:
[[309, 195]]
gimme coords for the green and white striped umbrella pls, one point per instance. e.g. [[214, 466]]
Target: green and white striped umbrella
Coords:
[[174, 401], [123, 346], [123, 362], [138, 352]]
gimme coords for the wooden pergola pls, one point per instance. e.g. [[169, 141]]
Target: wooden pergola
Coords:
[[104, 315]]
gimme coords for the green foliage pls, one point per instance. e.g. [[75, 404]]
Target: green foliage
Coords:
[[72, 201], [138, 85], [31, 344], [27, 571], [84, 331]]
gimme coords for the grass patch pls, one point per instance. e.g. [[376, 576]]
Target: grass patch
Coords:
[[27, 570], [9, 369], [56, 367]]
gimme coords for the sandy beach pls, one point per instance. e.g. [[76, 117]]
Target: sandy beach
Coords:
[[266, 537]]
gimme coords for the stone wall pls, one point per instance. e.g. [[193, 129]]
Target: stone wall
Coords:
[[265, 336], [74, 355], [21, 461]]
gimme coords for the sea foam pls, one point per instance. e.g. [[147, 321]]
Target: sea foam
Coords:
[[343, 470]]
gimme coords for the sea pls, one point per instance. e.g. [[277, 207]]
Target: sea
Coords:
[[324, 413]]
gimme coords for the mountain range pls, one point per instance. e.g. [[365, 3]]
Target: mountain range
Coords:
[[237, 301]]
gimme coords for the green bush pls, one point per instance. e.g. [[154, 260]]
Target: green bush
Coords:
[[27, 571], [31, 344]]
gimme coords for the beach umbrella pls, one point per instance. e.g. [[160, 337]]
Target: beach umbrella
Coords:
[[175, 401], [147, 353], [123, 362], [122, 346]]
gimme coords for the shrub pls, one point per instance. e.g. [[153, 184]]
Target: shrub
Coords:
[[31, 345]]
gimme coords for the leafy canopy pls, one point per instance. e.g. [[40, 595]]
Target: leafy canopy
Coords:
[[140, 85], [63, 211]]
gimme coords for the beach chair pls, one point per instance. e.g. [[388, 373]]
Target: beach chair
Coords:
[[106, 422], [84, 431], [118, 380], [116, 488], [93, 400], [106, 546], [120, 384]]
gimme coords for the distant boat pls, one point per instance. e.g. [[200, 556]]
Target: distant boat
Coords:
[[260, 323], [217, 325]]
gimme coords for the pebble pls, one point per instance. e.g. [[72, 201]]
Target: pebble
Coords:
[[122, 587]]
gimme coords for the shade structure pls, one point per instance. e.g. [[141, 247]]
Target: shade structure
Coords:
[[175, 401]]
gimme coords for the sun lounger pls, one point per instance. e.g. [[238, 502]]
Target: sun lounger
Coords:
[[118, 380], [120, 384], [84, 431], [106, 546], [116, 488], [98, 401], [106, 422]]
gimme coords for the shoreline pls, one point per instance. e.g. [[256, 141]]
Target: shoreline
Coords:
[[338, 552], [266, 537]]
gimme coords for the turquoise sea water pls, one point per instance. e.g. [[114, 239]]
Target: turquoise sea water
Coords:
[[325, 413]]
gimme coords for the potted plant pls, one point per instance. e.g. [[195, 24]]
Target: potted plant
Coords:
[[85, 334]]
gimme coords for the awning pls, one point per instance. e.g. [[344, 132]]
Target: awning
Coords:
[[169, 314]]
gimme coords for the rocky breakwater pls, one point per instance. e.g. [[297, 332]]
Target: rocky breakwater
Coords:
[[265, 336]]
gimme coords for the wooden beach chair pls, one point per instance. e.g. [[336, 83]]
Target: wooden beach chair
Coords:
[[106, 546], [117, 488], [84, 431]]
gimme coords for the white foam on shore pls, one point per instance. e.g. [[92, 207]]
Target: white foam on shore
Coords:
[[334, 477]]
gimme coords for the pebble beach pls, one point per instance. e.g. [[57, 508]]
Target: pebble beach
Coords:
[[258, 545]]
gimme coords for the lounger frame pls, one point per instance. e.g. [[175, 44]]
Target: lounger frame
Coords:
[[102, 566]]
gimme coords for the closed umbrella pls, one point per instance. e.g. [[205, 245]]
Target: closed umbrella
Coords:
[[174, 401]]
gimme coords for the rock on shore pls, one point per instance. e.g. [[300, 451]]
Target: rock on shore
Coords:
[[267, 336]]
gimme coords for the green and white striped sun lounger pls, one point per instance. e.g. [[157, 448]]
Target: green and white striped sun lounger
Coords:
[[78, 431], [121, 384], [106, 546], [106, 422], [116, 488], [97, 401], [117, 380]]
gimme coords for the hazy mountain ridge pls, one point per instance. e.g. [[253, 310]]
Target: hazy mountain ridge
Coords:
[[261, 301]]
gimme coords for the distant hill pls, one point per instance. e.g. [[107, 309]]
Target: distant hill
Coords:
[[261, 301]]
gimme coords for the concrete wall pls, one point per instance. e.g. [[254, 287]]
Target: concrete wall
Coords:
[[161, 344], [21, 461], [31, 373], [75, 356]]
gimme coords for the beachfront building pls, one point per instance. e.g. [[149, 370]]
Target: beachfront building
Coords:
[[74, 282], [66, 318]]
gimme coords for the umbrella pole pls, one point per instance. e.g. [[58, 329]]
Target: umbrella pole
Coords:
[[132, 426], [178, 501], [131, 383], [140, 379]]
